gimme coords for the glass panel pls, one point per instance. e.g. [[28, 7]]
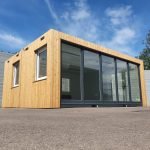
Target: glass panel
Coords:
[[122, 74], [108, 74], [71, 72], [42, 63], [91, 76], [16, 73], [134, 80]]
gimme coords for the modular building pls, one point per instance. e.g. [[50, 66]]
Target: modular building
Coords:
[[59, 70]]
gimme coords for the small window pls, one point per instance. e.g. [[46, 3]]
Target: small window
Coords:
[[16, 74], [41, 64]]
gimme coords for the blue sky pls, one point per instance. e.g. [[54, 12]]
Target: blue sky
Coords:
[[118, 24]]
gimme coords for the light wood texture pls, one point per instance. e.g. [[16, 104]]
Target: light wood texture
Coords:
[[143, 86], [46, 93]]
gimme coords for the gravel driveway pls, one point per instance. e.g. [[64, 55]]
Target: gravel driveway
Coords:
[[75, 128]]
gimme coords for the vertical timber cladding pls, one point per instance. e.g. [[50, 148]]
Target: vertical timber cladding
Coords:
[[46, 93], [143, 88], [3, 56], [36, 94], [32, 93], [11, 96], [77, 41]]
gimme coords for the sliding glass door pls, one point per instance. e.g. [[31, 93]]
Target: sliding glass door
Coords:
[[91, 75], [134, 80], [123, 85], [108, 79], [71, 60]]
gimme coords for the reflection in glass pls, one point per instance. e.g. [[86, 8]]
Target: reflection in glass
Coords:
[[108, 74], [70, 72], [134, 80], [91, 76], [16, 73], [42, 63], [122, 75]]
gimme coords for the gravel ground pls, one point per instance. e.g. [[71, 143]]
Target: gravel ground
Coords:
[[75, 129]]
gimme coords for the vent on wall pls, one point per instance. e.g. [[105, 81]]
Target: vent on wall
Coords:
[[26, 48], [17, 54], [42, 38]]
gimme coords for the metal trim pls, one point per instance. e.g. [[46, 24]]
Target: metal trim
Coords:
[[116, 80], [129, 83]]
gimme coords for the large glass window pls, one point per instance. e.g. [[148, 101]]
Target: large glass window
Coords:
[[91, 75], [71, 59], [108, 76], [134, 80], [16, 74], [41, 64], [122, 75]]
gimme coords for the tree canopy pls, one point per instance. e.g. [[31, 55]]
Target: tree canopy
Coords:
[[145, 54]]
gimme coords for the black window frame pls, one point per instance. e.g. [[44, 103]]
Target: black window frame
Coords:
[[100, 101]]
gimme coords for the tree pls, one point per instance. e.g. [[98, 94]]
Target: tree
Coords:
[[145, 54]]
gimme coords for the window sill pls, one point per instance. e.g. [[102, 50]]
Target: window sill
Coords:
[[15, 86], [40, 79]]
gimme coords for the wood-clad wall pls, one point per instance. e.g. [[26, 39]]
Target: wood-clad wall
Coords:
[[46, 93], [31, 93], [143, 86]]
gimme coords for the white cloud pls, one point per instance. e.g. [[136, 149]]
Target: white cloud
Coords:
[[123, 29], [119, 15], [121, 39], [80, 21], [79, 15], [124, 35], [82, 11], [11, 41], [51, 11]]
